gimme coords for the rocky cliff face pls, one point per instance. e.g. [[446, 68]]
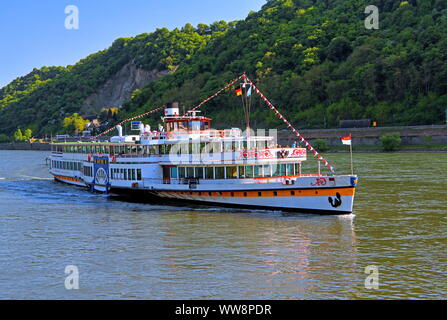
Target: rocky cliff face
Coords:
[[119, 88]]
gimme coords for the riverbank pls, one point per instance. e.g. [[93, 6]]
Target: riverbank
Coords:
[[414, 138], [25, 146]]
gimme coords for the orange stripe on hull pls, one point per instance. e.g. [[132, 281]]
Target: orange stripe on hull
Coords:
[[67, 178], [279, 193]]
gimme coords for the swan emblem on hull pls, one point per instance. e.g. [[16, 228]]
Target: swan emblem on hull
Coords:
[[335, 203]]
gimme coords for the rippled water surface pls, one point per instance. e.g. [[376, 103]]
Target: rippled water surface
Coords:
[[129, 250]]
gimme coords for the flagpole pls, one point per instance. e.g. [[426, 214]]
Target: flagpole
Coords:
[[352, 163]]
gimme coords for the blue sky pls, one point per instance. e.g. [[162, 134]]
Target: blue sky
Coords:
[[33, 33]]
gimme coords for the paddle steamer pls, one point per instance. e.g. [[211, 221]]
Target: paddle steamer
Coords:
[[186, 160]]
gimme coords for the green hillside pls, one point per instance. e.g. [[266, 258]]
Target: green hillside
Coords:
[[319, 64], [43, 98], [315, 60]]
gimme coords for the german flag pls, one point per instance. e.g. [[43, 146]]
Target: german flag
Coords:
[[238, 92]]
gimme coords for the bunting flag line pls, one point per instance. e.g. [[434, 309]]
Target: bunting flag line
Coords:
[[289, 125], [215, 95], [127, 120]]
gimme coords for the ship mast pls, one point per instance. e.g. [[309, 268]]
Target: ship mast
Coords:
[[246, 103]]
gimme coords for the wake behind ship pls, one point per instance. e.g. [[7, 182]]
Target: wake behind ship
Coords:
[[187, 160]]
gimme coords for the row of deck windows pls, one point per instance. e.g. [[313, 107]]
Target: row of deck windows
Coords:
[[126, 174], [191, 148], [66, 165], [237, 172], [102, 149]]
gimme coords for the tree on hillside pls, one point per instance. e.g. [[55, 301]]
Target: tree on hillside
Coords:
[[75, 123], [18, 136], [28, 134], [4, 138]]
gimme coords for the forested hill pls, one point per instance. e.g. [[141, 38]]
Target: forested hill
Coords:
[[43, 98], [319, 64], [315, 60]]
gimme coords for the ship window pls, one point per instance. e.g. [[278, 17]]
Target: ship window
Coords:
[[266, 169], [174, 173], [199, 172], [166, 149], [183, 126], [195, 126], [241, 172], [154, 149], [216, 147], [231, 173], [228, 146], [195, 148], [181, 172], [249, 172], [297, 168], [209, 173], [279, 169], [219, 172], [259, 194], [282, 169], [232, 194], [245, 194], [139, 177], [292, 193], [125, 174], [290, 171], [275, 193], [133, 177], [257, 171], [190, 172]]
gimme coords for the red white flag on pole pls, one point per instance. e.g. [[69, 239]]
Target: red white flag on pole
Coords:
[[347, 140]]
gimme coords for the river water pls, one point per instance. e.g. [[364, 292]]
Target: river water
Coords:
[[126, 250]]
